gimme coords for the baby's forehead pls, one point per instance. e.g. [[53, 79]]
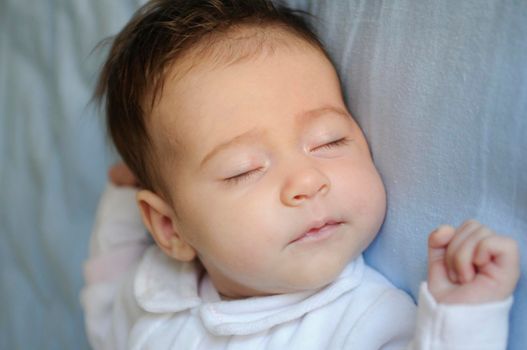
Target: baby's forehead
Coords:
[[244, 45], [237, 44], [217, 49]]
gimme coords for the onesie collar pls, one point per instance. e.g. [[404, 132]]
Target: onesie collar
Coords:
[[163, 285]]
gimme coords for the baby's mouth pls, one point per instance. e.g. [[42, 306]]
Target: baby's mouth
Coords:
[[318, 230]]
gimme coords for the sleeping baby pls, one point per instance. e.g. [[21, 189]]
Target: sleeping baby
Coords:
[[259, 190]]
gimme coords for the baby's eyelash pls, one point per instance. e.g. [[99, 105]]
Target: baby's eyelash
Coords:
[[340, 142], [233, 180]]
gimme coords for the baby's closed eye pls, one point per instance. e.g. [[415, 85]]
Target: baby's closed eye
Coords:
[[244, 176]]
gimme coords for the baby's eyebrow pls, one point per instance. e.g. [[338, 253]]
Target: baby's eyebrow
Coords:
[[303, 117], [307, 116], [247, 135]]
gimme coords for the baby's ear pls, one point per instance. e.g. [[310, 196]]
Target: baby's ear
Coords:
[[159, 219]]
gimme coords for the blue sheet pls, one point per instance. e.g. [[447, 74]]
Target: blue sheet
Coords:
[[53, 158], [439, 87]]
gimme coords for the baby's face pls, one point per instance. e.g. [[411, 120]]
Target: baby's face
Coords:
[[273, 185]]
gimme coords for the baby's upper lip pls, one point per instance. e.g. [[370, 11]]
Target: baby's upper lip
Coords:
[[315, 225]]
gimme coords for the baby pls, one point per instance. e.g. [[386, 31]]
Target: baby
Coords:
[[260, 192]]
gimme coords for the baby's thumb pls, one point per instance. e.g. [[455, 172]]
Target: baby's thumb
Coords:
[[437, 244]]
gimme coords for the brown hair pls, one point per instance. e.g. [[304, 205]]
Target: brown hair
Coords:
[[158, 34]]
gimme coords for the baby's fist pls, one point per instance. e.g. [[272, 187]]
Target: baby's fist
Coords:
[[471, 264]]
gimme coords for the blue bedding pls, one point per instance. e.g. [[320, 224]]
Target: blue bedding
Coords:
[[439, 87]]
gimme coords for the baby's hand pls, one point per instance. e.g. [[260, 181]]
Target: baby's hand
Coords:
[[120, 175], [471, 264]]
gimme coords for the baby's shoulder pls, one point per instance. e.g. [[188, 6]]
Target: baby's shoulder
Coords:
[[373, 314], [377, 298], [379, 289]]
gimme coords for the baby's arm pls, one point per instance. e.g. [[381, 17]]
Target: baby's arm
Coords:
[[118, 236], [117, 243]]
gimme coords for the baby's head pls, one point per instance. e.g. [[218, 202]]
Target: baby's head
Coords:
[[231, 115]]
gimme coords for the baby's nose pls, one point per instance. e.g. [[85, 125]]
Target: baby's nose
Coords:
[[304, 184]]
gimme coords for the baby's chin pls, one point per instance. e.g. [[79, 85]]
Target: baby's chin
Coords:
[[302, 282], [315, 279]]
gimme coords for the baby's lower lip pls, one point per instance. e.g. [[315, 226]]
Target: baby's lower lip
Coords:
[[318, 233]]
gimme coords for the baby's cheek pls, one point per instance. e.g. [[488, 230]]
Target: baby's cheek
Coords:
[[370, 194], [242, 255], [247, 269]]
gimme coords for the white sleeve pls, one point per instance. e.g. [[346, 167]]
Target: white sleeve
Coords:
[[117, 244], [460, 326], [393, 323]]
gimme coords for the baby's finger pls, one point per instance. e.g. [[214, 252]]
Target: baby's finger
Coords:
[[463, 257], [497, 258], [462, 233], [439, 240], [437, 243], [499, 250]]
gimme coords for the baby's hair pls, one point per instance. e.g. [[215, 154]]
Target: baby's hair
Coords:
[[165, 32]]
